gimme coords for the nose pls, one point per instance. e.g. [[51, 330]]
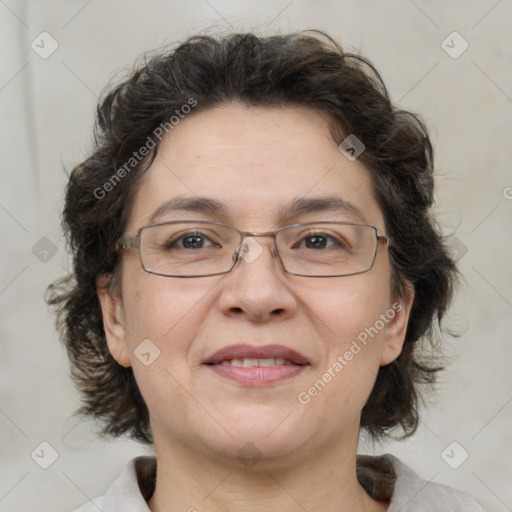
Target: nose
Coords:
[[257, 287]]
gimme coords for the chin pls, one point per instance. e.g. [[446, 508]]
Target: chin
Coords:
[[267, 438], [262, 454]]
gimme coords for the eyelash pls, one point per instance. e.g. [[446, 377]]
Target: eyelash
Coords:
[[171, 243]]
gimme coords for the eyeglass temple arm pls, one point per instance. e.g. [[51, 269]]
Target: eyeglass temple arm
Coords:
[[128, 242], [383, 239]]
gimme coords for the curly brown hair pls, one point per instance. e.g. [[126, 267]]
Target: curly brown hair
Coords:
[[306, 69]]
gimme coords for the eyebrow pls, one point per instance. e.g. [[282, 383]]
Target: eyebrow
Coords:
[[304, 205], [204, 205], [300, 206]]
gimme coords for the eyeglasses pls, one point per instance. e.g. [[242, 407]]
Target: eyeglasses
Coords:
[[202, 248]]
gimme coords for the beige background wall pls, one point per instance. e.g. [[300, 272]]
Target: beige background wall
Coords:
[[46, 109]]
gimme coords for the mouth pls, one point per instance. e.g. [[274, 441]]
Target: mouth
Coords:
[[247, 362], [253, 366]]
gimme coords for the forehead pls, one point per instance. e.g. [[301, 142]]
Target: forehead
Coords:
[[254, 168]]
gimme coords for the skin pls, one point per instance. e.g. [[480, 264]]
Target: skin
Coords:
[[255, 161]]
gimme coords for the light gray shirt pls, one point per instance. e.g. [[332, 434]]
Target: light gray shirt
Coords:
[[408, 493]]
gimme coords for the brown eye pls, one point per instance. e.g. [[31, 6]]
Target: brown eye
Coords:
[[316, 242]]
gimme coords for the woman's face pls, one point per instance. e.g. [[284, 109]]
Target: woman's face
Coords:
[[256, 162]]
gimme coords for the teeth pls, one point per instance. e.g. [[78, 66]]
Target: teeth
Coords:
[[251, 363], [268, 362]]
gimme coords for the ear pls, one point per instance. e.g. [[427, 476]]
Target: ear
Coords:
[[394, 334], [113, 321]]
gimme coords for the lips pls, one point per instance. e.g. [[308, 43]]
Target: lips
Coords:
[[257, 366], [262, 353]]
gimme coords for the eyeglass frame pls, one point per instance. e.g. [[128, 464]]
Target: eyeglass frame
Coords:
[[134, 242]]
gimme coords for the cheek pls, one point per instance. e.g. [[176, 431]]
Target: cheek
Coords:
[[163, 316], [349, 308], [349, 322], [156, 306], [342, 382]]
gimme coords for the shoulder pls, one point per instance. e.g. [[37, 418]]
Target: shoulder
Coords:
[[413, 494], [129, 491]]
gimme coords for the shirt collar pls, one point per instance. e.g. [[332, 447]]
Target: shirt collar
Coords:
[[133, 487]]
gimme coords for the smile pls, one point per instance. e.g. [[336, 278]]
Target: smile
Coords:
[[252, 363], [254, 366], [255, 376]]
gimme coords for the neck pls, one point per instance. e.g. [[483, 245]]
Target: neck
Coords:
[[321, 481]]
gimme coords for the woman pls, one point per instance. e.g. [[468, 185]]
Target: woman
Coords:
[[255, 264]]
